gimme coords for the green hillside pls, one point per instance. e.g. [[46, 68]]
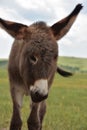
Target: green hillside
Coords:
[[73, 64], [3, 63]]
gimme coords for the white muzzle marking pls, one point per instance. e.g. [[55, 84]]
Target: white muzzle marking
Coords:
[[40, 86]]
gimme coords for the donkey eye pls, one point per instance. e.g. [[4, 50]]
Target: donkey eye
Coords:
[[33, 59]]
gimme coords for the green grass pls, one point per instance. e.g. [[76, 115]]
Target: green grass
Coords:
[[66, 104]]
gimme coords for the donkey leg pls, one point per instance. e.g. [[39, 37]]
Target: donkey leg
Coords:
[[42, 112], [17, 96], [34, 120]]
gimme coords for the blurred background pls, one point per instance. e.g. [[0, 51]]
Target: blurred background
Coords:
[[50, 11]]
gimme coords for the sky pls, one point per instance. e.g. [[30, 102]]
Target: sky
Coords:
[[50, 11]]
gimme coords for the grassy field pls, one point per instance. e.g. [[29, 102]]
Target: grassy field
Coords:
[[66, 105], [74, 64]]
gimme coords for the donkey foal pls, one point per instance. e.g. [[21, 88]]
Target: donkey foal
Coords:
[[32, 65]]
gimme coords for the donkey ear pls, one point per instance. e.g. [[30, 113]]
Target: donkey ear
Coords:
[[60, 28], [14, 29]]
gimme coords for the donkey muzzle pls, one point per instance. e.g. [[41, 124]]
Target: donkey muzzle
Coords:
[[39, 91]]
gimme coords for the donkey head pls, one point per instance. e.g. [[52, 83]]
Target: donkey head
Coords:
[[38, 51], [38, 59]]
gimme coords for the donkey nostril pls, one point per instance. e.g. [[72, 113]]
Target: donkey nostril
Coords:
[[37, 94]]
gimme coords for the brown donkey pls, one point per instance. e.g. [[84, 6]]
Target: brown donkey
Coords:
[[32, 65]]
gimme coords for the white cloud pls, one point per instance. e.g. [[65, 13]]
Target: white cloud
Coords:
[[28, 11], [32, 4], [4, 12]]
